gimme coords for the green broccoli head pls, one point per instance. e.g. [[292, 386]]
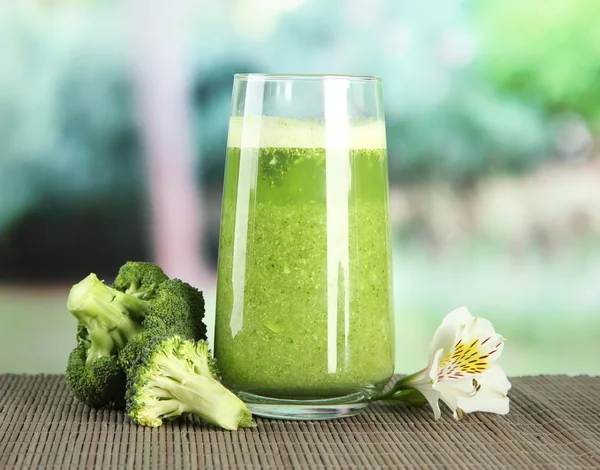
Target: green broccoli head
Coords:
[[100, 383], [169, 377], [139, 279], [179, 308], [107, 320], [110, 317], [129, 357]]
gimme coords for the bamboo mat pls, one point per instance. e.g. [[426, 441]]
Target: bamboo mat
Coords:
[[554, 423]]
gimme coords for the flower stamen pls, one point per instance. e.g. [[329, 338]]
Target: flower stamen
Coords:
[[462, 359]]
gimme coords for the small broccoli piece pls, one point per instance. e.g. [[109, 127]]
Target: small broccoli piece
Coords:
[[169, 376], [140, 279], [101, 383], [179, 307], [110, 317]]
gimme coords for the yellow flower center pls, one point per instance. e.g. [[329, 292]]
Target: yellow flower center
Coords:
[[465, 359]]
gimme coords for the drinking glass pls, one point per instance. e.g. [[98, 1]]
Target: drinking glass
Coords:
[[304, 310]]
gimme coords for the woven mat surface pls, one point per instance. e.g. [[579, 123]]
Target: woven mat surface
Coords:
[[554, 423]]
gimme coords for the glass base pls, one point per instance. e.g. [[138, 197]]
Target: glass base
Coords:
[[303, 410]]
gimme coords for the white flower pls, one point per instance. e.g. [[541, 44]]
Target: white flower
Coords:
[[462, 371]]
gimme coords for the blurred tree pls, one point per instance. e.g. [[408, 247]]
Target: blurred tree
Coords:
[[67, 140], [68, 131], [546, 52], [444, 120]]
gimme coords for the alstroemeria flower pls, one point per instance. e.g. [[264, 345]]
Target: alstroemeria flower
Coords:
[[462, 371]]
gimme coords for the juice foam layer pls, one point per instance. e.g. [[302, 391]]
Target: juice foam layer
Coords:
[[268, 131]]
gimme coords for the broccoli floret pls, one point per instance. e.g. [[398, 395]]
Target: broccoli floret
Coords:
[[128, 357], [101, 383], [110, 317], [178, 307], [140, 279], [172, 377]]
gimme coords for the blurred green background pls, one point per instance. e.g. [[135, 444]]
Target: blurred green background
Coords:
[[113, 122]]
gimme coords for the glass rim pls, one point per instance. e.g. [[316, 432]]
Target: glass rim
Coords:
[[274, 77]]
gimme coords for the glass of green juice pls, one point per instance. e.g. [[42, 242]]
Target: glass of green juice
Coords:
[[304, 310]]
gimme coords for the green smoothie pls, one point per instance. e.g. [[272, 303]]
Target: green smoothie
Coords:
[[304, 305]]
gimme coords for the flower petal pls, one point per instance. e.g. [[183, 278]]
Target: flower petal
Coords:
[[483, 331], [487, 403], [434, 368], [478, 328], [445, 335], [432, 396], [491, 396], [423, 382], [418, 378], [473, 351], [448, 396], [460, 388]]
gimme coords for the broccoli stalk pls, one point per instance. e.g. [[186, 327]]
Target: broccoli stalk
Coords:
[[174, 377], [110, 317]]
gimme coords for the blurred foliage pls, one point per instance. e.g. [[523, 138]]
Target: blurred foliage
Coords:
[[461, 103], [69, 168], [445, 120], [470, 135], [545, 52]]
